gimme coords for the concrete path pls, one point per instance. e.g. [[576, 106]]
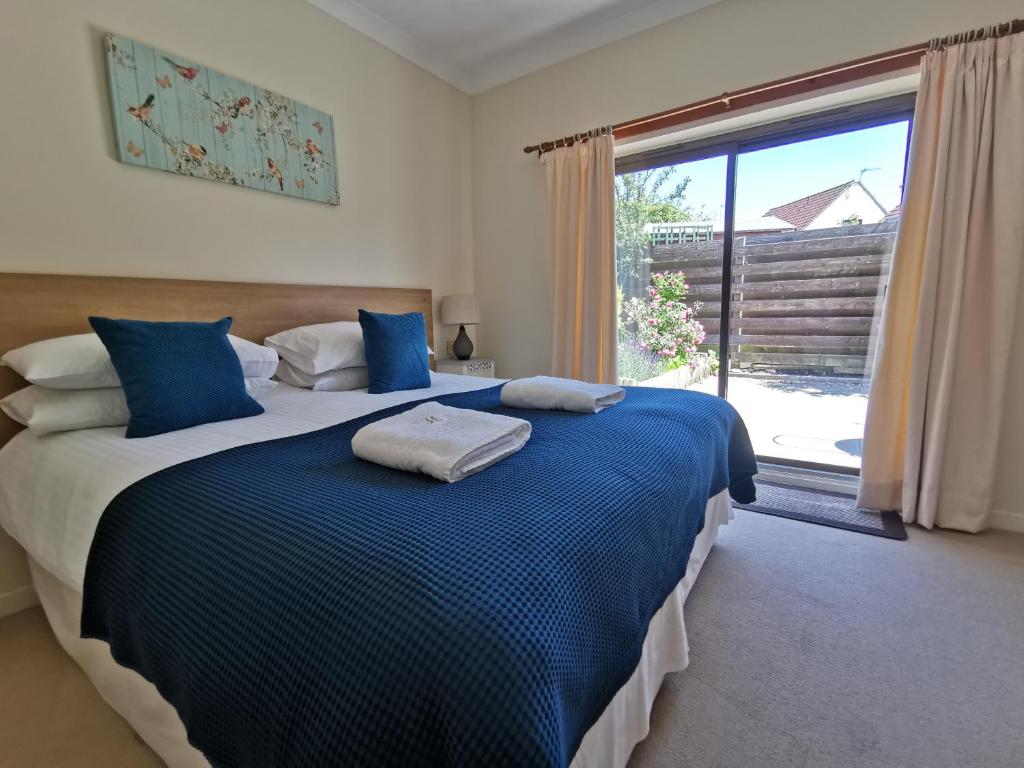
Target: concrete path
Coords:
[[803, 418]]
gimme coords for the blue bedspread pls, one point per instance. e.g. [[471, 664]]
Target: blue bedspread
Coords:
[[301, 607]]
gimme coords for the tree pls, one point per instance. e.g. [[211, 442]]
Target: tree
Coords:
[[640, 200]]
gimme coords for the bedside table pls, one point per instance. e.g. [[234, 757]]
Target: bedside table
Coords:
[[475, 366]]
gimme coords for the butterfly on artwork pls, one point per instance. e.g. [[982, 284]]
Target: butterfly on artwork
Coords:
[[300, 183], [222, 128], [135, 151], [164, 82], [318, 126]]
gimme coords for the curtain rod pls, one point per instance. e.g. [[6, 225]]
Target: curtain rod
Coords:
[[818, 79]]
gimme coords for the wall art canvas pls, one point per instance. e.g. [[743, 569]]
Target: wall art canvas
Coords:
[[176, 115]]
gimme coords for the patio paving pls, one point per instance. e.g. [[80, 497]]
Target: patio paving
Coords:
[[803, 418]]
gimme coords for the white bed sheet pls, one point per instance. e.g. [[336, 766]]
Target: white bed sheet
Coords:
[[54, 488]]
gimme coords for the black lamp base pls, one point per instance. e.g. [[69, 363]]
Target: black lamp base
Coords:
[[462, 347]]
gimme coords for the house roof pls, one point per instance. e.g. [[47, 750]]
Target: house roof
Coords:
[[802, 212]]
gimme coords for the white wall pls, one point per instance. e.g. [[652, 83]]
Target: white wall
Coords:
[[853, 202], [67, 205], [724, 47]]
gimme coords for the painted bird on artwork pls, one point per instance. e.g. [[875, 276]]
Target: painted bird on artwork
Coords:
[[312, 149], [276, 172], [143, 111], [198, 151], [238, 106], [135, 151], [189, 73], [319, 127]]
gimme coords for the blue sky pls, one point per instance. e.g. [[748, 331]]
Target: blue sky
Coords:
[[770, 177]]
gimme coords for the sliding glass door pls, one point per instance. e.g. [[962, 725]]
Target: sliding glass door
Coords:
[[669, 244], [754, 266]]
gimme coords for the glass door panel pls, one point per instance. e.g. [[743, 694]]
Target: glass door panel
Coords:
[[815, 227], [669, 223]]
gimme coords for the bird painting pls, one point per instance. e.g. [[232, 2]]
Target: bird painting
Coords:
[[189, 73], [144, 110], [174, 114], [276, 173]]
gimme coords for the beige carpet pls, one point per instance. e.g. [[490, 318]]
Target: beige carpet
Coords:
[[816, 647], [810, 647]]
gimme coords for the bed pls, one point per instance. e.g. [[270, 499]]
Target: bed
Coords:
[[57, 490]]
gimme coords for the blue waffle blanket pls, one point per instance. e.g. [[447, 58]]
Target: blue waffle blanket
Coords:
[[301, 607]]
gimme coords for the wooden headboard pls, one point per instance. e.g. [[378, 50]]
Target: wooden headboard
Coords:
[[36, 307]]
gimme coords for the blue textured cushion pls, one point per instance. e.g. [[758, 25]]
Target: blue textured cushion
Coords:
[[175, 375], [396, 351]]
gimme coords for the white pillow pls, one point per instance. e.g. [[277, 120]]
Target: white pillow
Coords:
[[341, 380], [82, 362], [319, 348], [322, 347], [44, 410]]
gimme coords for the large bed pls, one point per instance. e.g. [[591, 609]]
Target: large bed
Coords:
[[57, 491]]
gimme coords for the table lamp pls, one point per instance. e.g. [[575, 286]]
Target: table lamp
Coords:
[[461, 310]]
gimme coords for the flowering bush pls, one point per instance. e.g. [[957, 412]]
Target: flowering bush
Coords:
[[664, 323], [637, 363]]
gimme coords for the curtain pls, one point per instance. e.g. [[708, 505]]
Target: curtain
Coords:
[[939, 384], [581, 245]]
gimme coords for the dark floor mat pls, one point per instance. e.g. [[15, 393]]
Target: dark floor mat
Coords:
[[824, 508]]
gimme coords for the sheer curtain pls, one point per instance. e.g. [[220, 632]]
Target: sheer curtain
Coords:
[[581, 245], [939, 385]]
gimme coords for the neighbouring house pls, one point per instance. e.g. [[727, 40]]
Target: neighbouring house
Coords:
[[847, 203]]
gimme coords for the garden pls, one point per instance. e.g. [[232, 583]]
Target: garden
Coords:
[[659, 336]]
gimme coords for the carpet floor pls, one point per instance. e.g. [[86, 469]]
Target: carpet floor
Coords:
[[814, 648], [809, 648]]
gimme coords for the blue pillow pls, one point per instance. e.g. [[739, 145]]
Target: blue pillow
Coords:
[[175, 375], [396, 351]]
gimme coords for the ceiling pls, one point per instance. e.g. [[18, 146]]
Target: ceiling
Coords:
[[478, 44]]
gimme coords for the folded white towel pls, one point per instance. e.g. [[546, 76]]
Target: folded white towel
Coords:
[[548, 393], [441, 441]]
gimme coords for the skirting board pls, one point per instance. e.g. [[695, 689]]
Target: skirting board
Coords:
[[17, 600], [1008, 521]]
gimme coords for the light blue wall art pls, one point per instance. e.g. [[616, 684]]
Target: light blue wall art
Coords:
[[175, 115]]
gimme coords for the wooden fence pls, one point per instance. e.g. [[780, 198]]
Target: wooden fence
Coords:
[[800, 301]]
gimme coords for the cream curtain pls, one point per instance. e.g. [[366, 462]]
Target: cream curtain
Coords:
[[939, 385], [581, 245]]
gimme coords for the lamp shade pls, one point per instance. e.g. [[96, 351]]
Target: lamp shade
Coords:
[[460, 310]]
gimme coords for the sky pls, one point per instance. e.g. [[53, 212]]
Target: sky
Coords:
[[770, 177]]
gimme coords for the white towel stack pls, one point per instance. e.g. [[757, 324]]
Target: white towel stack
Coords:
[[441, 441], [547, 393]]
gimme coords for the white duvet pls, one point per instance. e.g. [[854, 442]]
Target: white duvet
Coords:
[[54, 488]]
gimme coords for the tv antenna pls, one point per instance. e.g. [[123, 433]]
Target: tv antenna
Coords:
[[865, 170]]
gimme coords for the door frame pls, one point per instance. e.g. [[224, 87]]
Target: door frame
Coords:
[[831, 122]]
